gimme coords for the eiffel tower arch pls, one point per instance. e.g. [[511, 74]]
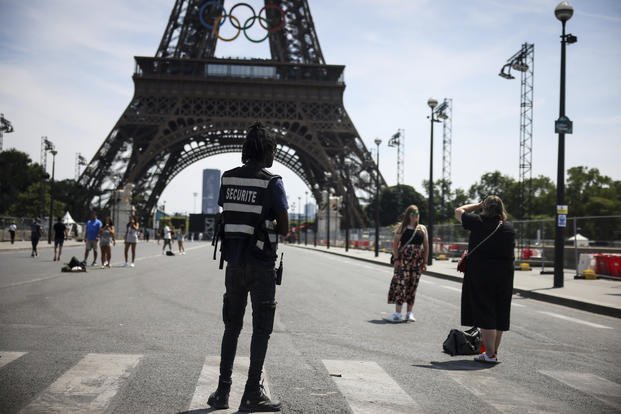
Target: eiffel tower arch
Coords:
[[189, 105]]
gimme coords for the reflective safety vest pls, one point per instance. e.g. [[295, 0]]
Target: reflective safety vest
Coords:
[[245, 205]]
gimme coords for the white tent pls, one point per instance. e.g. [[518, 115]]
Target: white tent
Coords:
[[581, 241], [67, 219]]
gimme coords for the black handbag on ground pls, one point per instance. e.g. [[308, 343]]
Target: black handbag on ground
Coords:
[[463, 342]]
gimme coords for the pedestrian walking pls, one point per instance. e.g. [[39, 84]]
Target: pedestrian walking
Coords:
[[254, 212], [12, 231], [410, 249], [107, 236], [92, 236], [180, 237], [488, 280], [60, 234], [167, 236], [35, 235], [131, 238], [146, 235]]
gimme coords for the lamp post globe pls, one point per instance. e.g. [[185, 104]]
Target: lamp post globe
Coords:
[[432, 102], [564, 11]]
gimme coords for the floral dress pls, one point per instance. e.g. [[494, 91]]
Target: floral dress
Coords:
[[405, 279]]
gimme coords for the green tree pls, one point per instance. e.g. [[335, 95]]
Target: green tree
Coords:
[[17, 174], [543, 198], [505, 187], [75, 198], [588, 193], [393, 201], [35, 202]]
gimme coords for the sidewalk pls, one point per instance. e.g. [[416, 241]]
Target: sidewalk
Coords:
[[25, 245], [601, 296]]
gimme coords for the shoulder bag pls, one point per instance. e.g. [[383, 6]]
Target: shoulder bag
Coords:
[[463, 260]]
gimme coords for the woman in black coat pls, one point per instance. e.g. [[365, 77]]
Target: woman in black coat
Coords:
[[488, 279]]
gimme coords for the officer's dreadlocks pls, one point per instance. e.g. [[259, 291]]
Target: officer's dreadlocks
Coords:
[[258, 145]]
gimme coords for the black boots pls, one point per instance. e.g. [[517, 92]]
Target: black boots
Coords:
[[220, 398], [257, 401]]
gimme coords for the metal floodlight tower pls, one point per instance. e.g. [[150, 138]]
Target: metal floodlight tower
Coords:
[[398, 140], [523, 61], [447, 138], [79, 162], [46, 145], [5, 126]]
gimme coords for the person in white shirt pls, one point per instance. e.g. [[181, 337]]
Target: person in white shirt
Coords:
[[167, 239]]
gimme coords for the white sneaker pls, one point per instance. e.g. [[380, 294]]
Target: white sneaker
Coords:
[[410, 317], [394, 317], [125, 264], [103, 266], [132, 265]]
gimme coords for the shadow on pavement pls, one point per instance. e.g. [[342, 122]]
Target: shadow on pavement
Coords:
[[460, 365]]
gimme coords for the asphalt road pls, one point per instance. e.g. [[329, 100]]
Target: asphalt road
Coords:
[[146, 340]]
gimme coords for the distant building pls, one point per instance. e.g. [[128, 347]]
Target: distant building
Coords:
[[309, 210], [211, 190]]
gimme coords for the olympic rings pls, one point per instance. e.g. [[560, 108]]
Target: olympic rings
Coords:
[[222, 16]]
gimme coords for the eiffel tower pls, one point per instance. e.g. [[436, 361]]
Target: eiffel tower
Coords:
[[189, 105]]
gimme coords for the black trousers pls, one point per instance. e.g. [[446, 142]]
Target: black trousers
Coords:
[[12, 232], [259, 282]]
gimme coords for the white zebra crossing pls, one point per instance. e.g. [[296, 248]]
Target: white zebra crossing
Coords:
[[8, 357], [91, 384], [368, 388], [87, 387], [208, 382], [606, 391], [505, 396]]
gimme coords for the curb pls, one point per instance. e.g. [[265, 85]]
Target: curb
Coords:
[[530, 294]]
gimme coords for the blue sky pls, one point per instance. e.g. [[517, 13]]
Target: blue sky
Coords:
[[66, 66]]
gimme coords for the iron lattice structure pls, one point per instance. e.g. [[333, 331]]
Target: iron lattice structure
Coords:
[[523, 61], [189, 105]]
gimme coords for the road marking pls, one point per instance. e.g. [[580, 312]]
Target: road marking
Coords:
[[208, 382], [606, 391], [428, 282], [87, 387], [567, 318], [8, 357], [368, 388], [450, 288], [518, 305], [505, 396]]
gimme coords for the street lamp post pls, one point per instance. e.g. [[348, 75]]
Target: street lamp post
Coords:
[[346, 211], [299, 215], [432, 102], [316, 226], [49, 231], [377, 197], [328, 177], [306, 219], [563, 125]]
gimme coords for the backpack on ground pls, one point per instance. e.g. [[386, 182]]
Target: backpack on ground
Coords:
[[169, 253], [463, 342], [74, 265]]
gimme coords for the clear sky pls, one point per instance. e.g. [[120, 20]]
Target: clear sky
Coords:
[[66, 67]]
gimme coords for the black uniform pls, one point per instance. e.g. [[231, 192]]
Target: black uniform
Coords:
[[250, 201]]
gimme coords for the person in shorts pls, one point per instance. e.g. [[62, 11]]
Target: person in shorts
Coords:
[[106, 241], [180, 237], [60, 234], [92, 236], [131, 238]]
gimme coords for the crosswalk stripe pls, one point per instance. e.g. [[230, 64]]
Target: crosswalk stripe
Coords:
[[604, 390], [505, 396], [580, 321], [368, 388], [87, 387], [208, 382], [8, 357]]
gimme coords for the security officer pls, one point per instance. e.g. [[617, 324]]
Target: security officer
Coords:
[[254, 211]]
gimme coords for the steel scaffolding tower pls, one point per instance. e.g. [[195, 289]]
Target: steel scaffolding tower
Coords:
[[524, 62], [79, 162], [5, 126], [447, 137], [398, 140]]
